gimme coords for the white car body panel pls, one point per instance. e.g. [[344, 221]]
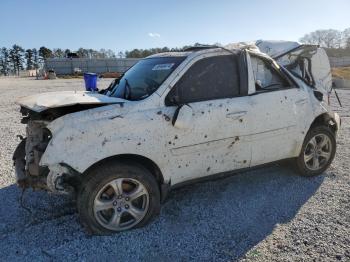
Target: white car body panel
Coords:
[[43, 101], [222, 135]]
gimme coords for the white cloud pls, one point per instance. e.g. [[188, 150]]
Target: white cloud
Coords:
[[153, 35]]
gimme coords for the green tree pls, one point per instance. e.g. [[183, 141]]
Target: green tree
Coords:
[[66, 52], [45, 53], [58, 53], [29, 59], [36, 59], [4, 61], [16, 58], [83, 53]]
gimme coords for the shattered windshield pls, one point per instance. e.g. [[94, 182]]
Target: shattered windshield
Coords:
[[144, 78]]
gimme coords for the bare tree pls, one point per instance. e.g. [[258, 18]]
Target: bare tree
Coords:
[[332, 38], [329, 38], [121, 54], [346, 38]]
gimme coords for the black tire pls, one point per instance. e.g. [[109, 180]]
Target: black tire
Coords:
[[299, 162], [96, 179]]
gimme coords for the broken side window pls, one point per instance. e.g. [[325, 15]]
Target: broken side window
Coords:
[[208, 79], [266, 77]]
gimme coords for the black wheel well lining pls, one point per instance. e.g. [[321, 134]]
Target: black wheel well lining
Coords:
[[325, 119]]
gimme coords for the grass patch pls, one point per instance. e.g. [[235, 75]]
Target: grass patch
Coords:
[[341, 72]]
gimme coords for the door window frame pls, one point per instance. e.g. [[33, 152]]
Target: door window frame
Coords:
[[240, 63], [271, 64]]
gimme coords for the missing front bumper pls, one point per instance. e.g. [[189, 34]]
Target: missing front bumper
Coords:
[[24, 180]]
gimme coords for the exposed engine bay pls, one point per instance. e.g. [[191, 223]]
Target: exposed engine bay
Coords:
[[28, 153]]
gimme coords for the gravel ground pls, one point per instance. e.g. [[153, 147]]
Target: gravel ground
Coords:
[[269, 214]]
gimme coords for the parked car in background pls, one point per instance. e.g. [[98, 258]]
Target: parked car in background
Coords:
[[174, 118]]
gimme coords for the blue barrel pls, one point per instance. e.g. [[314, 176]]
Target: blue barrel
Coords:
[[90, 81]]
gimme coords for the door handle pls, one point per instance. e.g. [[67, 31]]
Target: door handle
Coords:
[[301, 101], [236, 115]]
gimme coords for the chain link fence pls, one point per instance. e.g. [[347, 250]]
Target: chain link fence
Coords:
[[339, 61], [68, 66]]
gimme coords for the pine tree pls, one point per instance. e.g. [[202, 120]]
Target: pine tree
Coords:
[[66, 52], [29, 59], [58, 53], [4, 61], [36, 59], [45, 53], [16, 58]]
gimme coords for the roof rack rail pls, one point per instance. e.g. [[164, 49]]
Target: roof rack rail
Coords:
[[200, 47]]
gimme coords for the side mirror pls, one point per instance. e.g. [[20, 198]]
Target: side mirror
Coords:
[[258, 85], [318, 95], [182, 118]]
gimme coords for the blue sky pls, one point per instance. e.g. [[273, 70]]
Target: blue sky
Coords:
[[124, 25]]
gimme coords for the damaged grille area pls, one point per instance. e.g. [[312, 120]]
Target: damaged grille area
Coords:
[[38, 137], [29, 152]]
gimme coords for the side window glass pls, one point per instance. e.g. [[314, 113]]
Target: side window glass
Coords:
[[266, 77], [208, 79]]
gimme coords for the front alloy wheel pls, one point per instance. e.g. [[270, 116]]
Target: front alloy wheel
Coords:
[[317, 152], [121, 204], [117, 196]]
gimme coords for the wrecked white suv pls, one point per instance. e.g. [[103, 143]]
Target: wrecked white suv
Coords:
[[174, 118]]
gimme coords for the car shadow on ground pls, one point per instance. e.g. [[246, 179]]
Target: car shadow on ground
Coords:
[[216, 220]]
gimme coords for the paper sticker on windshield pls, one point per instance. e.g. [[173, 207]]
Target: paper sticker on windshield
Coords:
[[163, 66]]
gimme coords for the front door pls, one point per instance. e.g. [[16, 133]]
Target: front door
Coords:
[[214, 140]]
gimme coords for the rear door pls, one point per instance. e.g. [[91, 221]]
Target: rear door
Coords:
[[274, 133]]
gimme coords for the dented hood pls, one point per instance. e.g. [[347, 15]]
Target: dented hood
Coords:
[[43, 101], [308, 62]]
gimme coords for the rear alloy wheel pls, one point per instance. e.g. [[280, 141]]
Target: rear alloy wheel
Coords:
[[116, 197], [317, 151]]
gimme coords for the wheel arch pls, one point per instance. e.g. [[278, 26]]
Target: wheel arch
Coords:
[[325, 119], [133, 158]]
